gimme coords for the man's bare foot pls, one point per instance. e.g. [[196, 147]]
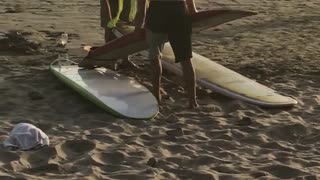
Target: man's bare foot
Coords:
[[193, 105]]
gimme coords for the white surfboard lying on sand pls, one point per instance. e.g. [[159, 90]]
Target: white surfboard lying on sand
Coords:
[[222, 80], [118, 94]]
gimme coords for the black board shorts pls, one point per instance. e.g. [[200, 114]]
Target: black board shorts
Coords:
[[172, 19]]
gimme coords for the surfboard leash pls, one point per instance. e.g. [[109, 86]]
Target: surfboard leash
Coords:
[[60, 59]]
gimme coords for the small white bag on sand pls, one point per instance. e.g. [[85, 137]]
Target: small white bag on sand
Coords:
[[25, 136]]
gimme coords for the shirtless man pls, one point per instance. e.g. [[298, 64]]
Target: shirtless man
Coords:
[[170, 20], [112, 11]]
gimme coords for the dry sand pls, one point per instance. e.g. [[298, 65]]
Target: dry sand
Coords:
[[224, 139]]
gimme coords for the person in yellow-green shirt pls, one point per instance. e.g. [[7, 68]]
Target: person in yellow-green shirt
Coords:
[[113, 11]]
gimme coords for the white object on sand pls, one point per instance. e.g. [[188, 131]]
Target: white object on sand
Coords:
[[118, 94], [64, 39], [25, 136]]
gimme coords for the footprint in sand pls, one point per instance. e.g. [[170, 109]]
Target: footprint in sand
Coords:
[[48, 168], [288, 132], [38, 158], [111, 158], [73, 148], [283, 172], [196, 174], [30, 161]]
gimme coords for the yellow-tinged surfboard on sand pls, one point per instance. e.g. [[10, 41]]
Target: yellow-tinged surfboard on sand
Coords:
[[209, 73]]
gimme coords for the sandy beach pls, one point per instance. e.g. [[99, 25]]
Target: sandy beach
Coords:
[[224, 139]]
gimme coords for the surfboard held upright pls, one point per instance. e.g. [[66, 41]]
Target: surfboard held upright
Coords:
[[133, 42]]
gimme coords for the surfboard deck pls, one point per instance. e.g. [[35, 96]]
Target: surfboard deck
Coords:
[[118, 94], [222, 80], [134, 42]]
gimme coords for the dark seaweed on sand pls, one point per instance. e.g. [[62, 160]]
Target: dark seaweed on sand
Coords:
[[18, 42]]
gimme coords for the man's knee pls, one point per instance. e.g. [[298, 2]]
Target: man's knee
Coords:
[[154, 53]]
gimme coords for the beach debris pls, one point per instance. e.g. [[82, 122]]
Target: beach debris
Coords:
[[17, 42], [258, 174], [175, 132], [57, 34], [15, 9], [34, 95], [63, 40], [25, 137], [2, 35], [172, 118], [48, 168], [245, 121], [152, 162]]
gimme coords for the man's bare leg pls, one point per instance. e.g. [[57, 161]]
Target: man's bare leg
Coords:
[[156, 77], [190, 79]]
